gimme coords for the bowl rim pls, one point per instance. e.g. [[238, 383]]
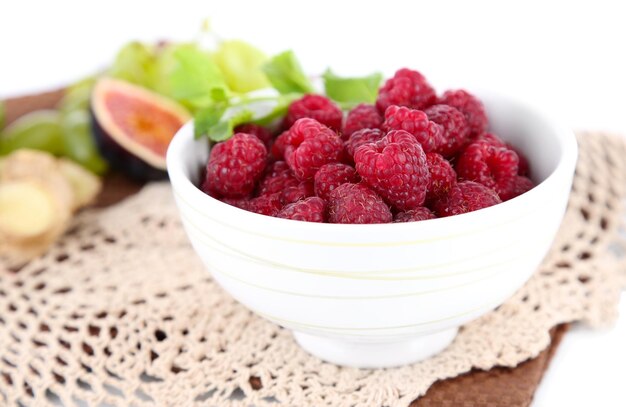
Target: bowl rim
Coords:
[[182, 185]]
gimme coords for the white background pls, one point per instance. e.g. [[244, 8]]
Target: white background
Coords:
[[569, 57]]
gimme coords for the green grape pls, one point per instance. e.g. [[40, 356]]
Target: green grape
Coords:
[[241, 64], [78, 142], [40, 130], [135, 63], [77, 96], [2, 114]]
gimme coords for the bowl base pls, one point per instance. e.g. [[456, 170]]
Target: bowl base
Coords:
[[375, 355]]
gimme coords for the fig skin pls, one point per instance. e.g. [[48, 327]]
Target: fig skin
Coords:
[[121, 159], [132, 127]]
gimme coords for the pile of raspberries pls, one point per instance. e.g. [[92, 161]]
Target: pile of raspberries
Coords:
[[410, 157]]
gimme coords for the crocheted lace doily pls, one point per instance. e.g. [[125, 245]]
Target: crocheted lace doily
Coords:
[[121, 311]]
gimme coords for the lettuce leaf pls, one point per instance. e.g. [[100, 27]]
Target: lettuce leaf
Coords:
[[286, 75], [189, 75], [241, 64], [352, 91], [217, 122]]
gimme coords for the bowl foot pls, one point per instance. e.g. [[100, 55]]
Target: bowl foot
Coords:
[[375, 355]]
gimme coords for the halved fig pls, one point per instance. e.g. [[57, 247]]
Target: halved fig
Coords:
[[134, 126]]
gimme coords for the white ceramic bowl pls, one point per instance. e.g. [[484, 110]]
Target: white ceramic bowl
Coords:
[[387, 294]]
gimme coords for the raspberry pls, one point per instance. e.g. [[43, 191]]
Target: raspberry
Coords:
[[330, 176], [470, 106], [406, 88], [261, 132], [428, 133], [455, 128], [297, 192], [516, 187], [356, 203], [493, 166], [466, 196], [316, 107], [360, 137], [311, 209], [241, 203], [362, 117], [268, 205], [277, 177], [395, 167], [523, 166], [442, 176], [491, 139], [280, 143], [414, 215], [235, 165], [310, 145]]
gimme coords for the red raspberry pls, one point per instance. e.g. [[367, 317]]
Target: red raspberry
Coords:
[[316, 107], [261, 132], [395, 167], [466, 196], [310, 145], [442, 176], [493, 166], [277, 177], [330, 176], [362, 117], [428, 133], [268, 205], [491, 139], [356, 203], [297, 192], [470, 106], [406, 88], [206, 188], [280, 143], [455, 128], [241, 203], [523, 166], [312, 209], [363, 136], [414, 215], [516, 187], [235, 165]]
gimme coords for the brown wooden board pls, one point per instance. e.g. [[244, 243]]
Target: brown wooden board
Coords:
[[498, 387]]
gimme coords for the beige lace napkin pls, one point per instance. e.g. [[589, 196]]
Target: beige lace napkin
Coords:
[[122, 311]]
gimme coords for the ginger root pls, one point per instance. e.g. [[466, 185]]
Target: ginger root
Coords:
[[38, 195], [85, 185]]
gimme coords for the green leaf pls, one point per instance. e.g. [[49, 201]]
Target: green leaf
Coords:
[[286, 75], [217, 122], [240, 117], [279, 110], [206, 118], [135, 63], [219, 95], [190, 76], [39, 130], [241, 64], [352, 91], [223, 130]]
